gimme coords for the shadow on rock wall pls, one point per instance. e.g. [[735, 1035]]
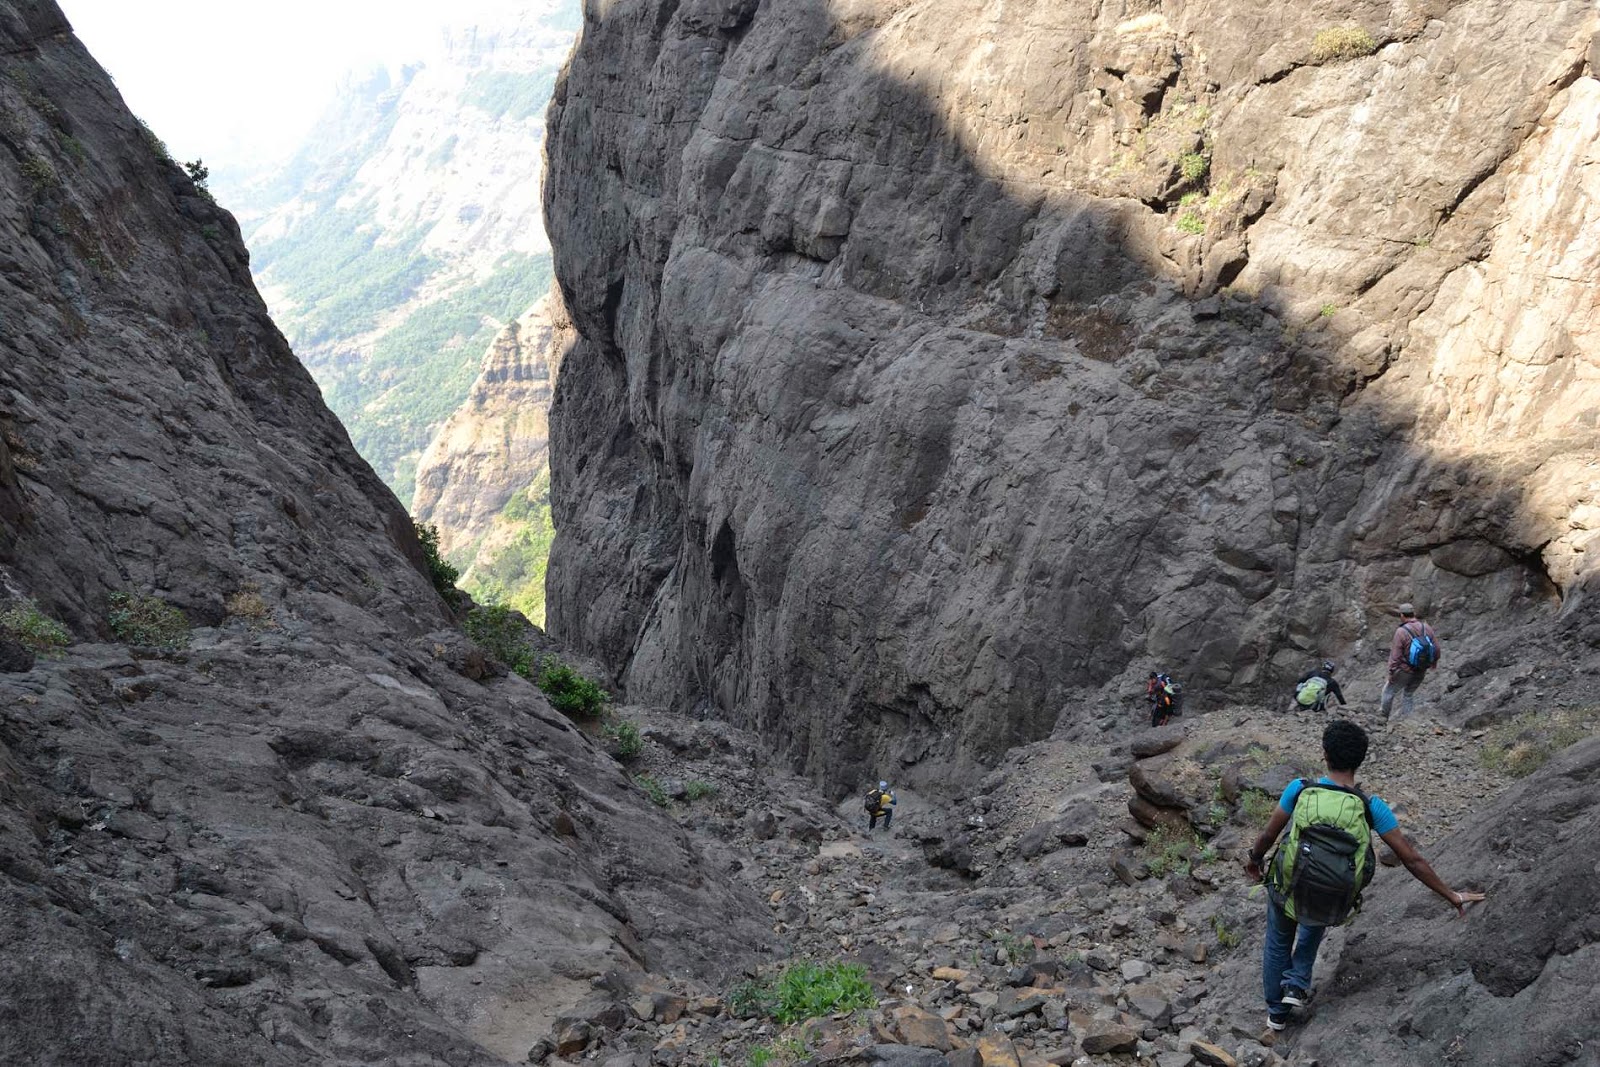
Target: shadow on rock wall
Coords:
[[942, 362]]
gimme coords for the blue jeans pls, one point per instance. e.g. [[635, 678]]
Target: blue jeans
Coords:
[[1287, 960]]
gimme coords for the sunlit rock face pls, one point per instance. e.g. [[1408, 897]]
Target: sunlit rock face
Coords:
[[484, 480], [942, 362]]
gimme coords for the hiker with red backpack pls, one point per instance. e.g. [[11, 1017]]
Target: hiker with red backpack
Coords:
[[1412, 653], [1166, 698], [1316, 875]]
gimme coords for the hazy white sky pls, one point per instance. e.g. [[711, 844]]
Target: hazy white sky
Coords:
[[225, 79]]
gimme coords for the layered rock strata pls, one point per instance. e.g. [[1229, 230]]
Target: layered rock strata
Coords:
[[498, 441], [941, 361], [271, 810]]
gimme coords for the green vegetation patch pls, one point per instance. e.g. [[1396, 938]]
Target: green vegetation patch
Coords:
[[626, 741], [497, 630], [698, 789], [1342, 42], [652, 789], [1193, 167], [1256, 806], [1522, 745], [148, 622], [419, 372], [569, 692], [510, 94], [1168, 851], [440, 571], [27, 625], [805, 990], [514, 574]]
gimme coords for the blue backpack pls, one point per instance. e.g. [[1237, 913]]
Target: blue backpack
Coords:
[[1422, 653]]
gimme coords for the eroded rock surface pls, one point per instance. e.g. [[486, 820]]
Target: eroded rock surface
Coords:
[[311, 828], [940, 362]]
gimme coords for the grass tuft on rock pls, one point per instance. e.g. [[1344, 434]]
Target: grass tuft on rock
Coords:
[[148, 622], [626, 741], [1342, 42], [29, 626], [805, 990], [1522, 745]]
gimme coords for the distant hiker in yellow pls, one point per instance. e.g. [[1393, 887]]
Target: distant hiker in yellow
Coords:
[[880, 803]]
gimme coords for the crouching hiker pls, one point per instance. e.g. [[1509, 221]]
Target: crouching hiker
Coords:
[[880, 803], [1312, 691], [1315, 878]]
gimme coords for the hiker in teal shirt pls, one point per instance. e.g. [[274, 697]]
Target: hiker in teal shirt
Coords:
[[1292, 936]]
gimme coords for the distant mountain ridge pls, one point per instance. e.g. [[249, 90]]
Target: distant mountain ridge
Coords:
[[407, 230]]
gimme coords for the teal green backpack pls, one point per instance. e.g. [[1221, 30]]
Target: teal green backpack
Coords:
[[1325, 858]]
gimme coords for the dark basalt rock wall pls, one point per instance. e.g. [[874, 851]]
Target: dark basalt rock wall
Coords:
[[943, 363]]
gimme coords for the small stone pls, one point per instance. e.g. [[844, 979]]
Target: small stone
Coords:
[[1103, 1038], [996, 1050], [1133, 970], [949, 974], [1211, 1055]]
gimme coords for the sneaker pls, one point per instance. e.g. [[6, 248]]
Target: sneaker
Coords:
[[1295, 997], [1277, 1020]]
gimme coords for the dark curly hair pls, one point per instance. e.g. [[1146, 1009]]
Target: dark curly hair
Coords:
[[1344, 744]]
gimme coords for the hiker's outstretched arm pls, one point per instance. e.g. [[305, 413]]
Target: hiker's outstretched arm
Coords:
[[1423, 871], [1258, 851]]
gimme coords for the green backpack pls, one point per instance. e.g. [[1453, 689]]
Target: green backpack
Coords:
[[1311, 691], [1325, 858]]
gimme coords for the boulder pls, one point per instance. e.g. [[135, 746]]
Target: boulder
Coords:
[[15, 657]]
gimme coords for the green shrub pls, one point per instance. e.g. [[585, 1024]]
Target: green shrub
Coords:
[[1193, 166], [31, 627], [440, 571], [570, 692], [1169, 851], [1256, 806], [157, 145], [805, 990], [496, 629], [1018, 949], [1191, 222], [779, 1053], [1329, 310], [1227, 938], [652, 789], [147, 621], [1342, 42], [626, 739], [697, 789], [40, 174], [1522, 745]]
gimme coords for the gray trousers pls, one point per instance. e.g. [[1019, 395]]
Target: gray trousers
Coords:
[[1404, 685]]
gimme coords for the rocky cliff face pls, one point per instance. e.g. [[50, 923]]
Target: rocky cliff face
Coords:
[[301, 821], [941, 361], [485, 479]]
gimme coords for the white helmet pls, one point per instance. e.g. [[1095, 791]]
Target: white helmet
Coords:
[[883, 785]]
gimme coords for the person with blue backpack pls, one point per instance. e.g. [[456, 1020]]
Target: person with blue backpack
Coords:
[[1315, 877], [1413, 652]]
